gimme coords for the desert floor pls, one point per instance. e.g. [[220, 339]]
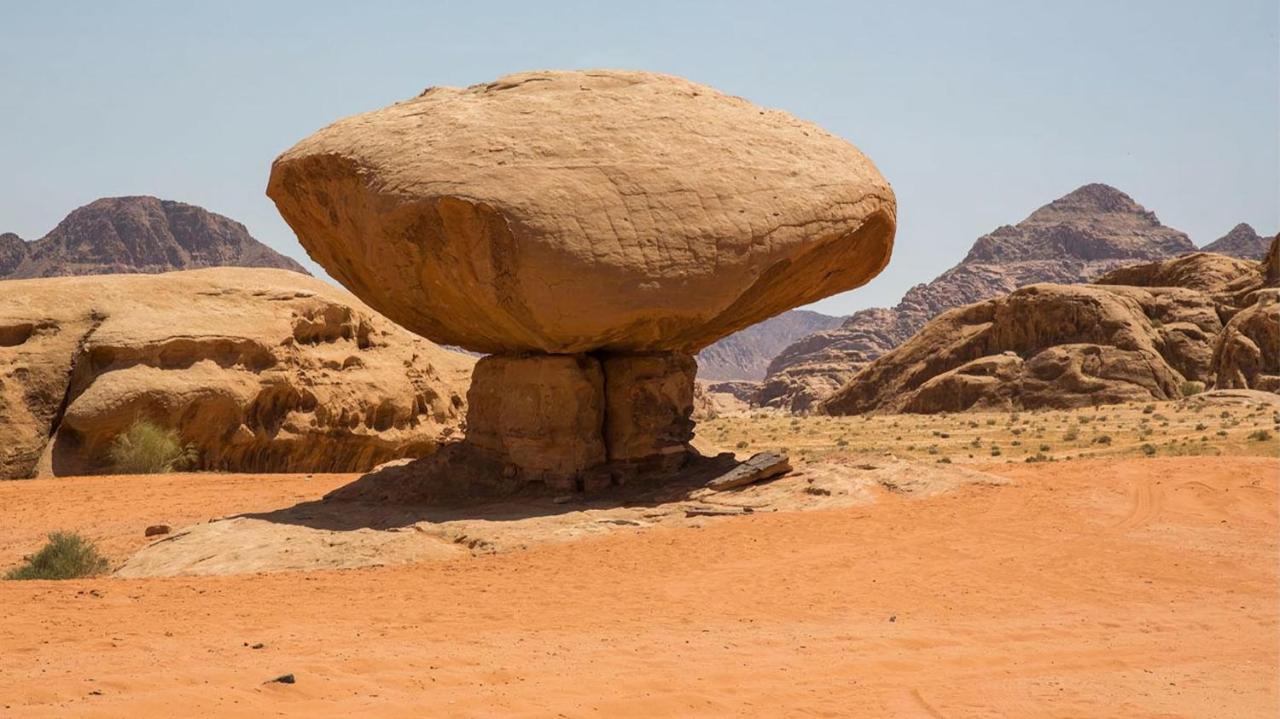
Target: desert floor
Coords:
[[1122, 585]]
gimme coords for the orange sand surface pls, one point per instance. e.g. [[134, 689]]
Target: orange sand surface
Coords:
[[1097, 588]]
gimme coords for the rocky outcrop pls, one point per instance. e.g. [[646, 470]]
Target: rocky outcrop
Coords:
[[1227, 280], [116, 235], [1127, 338], [1242, 241], [745, 354], [1247, 354], [259, 370], [1075, 238], [594, 228]]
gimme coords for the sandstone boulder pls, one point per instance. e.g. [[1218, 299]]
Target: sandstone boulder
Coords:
[[1247, 353], [1075, 238], [591, 230], [1055, 346], [259, 369], [1131, 336], [569, 212]]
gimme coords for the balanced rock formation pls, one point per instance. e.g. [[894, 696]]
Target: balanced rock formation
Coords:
[[591, 231], [1132, 336], [1075, 238], [259, 370], [116, 235]]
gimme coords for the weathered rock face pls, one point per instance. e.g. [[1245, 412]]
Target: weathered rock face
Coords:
[[1226, 279], [137, 234], [1075, 238], [1081, 345], [543, 413], [649, 402], [260, 370], [568, 212], [584, 225], [1043, 346], [1247, 354]]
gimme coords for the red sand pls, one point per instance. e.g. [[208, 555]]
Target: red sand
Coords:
[[1131, 588]]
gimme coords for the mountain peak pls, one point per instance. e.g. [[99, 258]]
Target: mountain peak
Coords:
[[1096, 197], [1242, 241], [139, 233], [1093, 222]]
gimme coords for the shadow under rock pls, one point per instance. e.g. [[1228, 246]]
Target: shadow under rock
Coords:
[[460, 483]]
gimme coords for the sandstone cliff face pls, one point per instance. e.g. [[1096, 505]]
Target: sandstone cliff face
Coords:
[[116, 235], [261, 370], [1126, 338], [1075, 238], [745, 354]]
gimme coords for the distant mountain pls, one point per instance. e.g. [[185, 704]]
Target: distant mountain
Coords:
[[1242, 241], [137, 235], [1075, 238], [745, 355]]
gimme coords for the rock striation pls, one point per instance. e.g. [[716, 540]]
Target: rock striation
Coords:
[[259, 370], [1140, 333], [590, 231], [1076, 238], [116, 235]]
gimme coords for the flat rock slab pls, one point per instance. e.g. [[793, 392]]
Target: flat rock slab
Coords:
[[344, 534], [761, 466]]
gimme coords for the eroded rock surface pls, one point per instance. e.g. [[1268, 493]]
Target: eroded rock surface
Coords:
[[569, 212], [1062, 346], [260, 370], [1076, 238], [591, 230]]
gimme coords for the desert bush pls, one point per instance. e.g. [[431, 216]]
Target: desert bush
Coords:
[[1102, 439], [66, 556], [1260, 435], [1149, 409], [1149, 449], [1191, 387], [147, 448], [742, 444], [1071, 434]]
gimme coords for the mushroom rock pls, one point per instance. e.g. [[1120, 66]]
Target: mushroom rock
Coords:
[[590, 231]]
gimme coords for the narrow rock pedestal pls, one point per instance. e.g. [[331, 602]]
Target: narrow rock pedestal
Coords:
[[566, 419]]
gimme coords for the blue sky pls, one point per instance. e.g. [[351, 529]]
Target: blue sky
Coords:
[[977, 112]]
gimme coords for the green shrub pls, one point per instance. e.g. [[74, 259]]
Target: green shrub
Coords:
[[147, 448], [1191, 387], [1260, 435], [1149, 449], [66, 556]]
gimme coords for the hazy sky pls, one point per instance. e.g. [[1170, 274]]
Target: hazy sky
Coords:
[[976, 112]]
